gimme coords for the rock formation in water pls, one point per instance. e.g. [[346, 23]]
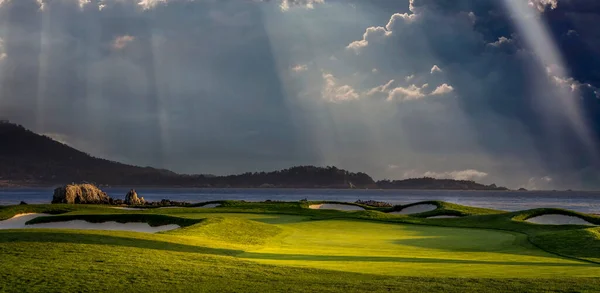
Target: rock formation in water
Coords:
[[80, 194], [374, 203], [132, 198]]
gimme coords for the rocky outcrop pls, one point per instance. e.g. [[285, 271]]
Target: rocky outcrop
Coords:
[[80, 194], [374, 203], [132, 198]]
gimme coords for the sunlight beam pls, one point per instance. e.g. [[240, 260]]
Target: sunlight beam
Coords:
[[537, 37]]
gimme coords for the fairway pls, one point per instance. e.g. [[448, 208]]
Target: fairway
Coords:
[[288, 247]]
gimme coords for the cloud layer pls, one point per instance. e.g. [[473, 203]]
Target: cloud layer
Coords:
[[210, 86]]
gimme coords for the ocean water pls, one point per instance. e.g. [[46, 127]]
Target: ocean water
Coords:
[[587, 202]]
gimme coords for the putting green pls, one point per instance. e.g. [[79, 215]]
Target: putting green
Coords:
[[414, 250]]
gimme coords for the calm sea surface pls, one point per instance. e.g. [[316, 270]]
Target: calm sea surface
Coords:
[[588, 202]]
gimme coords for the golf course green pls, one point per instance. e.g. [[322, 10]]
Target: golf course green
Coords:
[[289, 247]]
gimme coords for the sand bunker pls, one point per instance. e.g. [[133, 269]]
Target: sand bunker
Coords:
[[556, 219], [210, 205], [416, 209], [333, 206], [18, 222], [443, 217]]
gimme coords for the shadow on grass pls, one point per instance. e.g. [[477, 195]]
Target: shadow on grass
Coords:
[[16, 236], [391, 259]]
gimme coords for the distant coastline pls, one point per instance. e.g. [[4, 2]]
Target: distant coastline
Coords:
[[28, 159]]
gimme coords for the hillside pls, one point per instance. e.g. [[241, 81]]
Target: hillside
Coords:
[[28, 159]]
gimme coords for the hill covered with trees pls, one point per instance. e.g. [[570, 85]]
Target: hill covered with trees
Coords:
[[30, 159]]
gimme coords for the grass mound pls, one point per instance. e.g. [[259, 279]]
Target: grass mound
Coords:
[[231, 230], [580, 243], [528, 214]]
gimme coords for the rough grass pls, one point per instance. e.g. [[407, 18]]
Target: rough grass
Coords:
[[275, 247]]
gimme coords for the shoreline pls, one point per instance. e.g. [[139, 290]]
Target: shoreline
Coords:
[[7, 187]]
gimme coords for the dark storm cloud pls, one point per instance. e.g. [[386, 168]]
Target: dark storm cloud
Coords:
[[231, 86], [196, 78], [485, 59]]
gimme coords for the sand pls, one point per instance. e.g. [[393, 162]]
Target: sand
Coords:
[[333, 206], [443, 217], [211, 205], [18, 222], [556, 219], [420, 208]]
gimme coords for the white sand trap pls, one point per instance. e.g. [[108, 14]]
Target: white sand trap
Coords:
[[420, 208], [18, 222], [335, 206], [443, 217], [210, 205], [556, 219]]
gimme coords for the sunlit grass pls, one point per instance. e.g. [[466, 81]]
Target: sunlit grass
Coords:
[[251, 247]]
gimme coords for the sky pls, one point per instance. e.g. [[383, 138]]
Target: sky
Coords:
[[496, 91]]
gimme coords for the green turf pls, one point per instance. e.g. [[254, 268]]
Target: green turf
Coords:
[[277, 247]]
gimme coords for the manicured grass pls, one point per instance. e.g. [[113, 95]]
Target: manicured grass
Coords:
[[275, 247], [414, 250]]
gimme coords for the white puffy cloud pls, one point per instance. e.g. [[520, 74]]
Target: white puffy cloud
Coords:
[[149, 4], [541, 5], [501, 41], [469, 174], [571, 84], [380, 89], [371, 34], [337, 93], [299, 68], [379, 33], [308, 4], [411, 92], [83, 3], [121, 42], [435, 69], [442, 90]]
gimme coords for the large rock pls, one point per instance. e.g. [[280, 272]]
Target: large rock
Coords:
[[80, 194], [132, 198]]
